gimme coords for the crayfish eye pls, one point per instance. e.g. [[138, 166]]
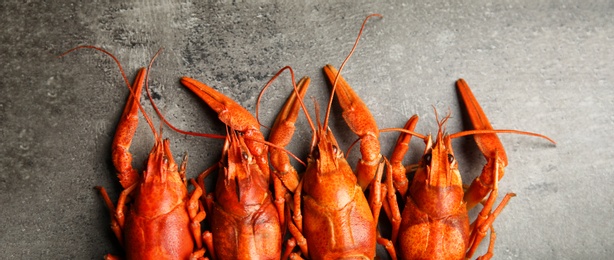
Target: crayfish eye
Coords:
[[450, 158], [245, 155], [335, 149], [316, 153], [427, 158]]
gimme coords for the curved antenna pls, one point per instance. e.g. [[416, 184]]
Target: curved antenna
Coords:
[[332, 95], [207, 135], [347, 152], [442, 124], [277, 147], [470, 132], [444, 119], [121, 69], [499, 131], [166, 122], [300, 100], [394, 129]]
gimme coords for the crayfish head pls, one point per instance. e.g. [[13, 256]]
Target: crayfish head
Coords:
[[325, 152], [243, 180], [238, 158], [440, 163], [162, 186], [437, 182]]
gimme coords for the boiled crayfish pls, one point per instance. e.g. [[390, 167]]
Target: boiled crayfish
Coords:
[[332, 218], [155, 216], [247, 221], [434, 223]]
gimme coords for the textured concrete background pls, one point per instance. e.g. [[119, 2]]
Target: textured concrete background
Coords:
[[542, 67]]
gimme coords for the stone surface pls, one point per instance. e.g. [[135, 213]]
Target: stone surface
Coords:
[[541, 67]]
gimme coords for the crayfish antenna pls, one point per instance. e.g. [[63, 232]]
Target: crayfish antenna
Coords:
[[286, 109], [296, 90], [403, 130], [317, 109], [121, 70], [500, 131], [163, 118], [332, 94], [441, 124]]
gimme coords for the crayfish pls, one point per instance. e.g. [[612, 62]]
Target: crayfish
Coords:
[[332, 217], [155, 216], [435, 223], [246, 219]]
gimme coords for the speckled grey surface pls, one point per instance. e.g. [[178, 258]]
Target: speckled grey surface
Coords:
[[542, 67]]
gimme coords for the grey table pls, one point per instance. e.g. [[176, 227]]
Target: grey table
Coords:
[[540, 67]]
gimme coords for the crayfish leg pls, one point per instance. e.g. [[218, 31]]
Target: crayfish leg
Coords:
[[491, 246], [388, 245], [301, 241], [391, 206], [117, 212], [208, 239], [112, 257], [196, 213], [485, 219], [117, 230], [198, 255], [376, 196]]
